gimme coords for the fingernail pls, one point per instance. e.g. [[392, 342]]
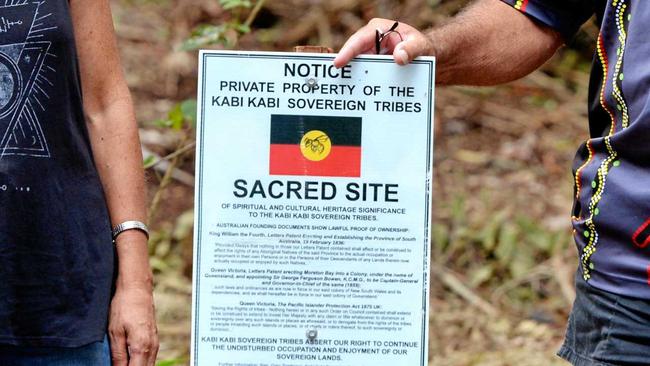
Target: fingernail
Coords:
[[402, 56]]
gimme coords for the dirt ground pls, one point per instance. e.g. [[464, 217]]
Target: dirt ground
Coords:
[[502, 252]]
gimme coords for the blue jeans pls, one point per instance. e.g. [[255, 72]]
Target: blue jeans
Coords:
[[94, 354], [607, 329]]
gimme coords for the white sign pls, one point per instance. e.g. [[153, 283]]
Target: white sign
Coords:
[[313, 206]]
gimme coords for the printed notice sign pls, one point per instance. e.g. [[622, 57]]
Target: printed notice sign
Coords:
[[312, 211]]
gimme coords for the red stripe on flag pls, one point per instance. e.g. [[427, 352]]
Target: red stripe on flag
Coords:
[[524, 5], [343, 161]]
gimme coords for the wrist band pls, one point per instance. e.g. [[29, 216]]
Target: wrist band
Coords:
[[130, 225]]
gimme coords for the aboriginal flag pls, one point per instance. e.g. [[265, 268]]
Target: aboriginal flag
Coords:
[[315, 146]]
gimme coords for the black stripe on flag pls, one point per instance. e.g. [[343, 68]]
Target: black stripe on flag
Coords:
[[289, 129]]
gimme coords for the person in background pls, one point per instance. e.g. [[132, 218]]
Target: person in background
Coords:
[[71, 183], [496, 41]]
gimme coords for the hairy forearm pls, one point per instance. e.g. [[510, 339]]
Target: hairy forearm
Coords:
[[490, 43]]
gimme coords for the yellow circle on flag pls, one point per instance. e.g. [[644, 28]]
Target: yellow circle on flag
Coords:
[[315, 145]]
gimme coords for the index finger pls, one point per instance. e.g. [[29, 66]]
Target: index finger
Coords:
[[360, 42]]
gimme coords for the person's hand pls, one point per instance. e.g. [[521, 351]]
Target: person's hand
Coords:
[[132, 327], [414, 43]]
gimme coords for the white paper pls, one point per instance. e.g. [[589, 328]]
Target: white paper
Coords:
[[353, 272]]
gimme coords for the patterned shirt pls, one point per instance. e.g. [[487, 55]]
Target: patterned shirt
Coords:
[[611, 214], [56, 252]]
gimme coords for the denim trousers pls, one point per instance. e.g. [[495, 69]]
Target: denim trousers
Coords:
[[606, 329], [94, 354]]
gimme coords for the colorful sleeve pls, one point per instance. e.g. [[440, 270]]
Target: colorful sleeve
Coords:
[[565, 16]]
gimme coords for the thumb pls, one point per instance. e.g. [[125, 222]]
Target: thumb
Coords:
[[407, 50]]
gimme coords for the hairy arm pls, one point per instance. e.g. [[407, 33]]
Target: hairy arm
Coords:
[[488, 43], [116, 149]]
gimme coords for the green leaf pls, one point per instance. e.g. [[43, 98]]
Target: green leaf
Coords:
[[207, 34], [149, 160], [458, 212], [188, 108], [507, 243], [488, 235], [184, 225], [163, 123], [481, 275], [163, 248], [158, 264], [243, 28], [439, 237], [176, 117], [231, 4], [172, 362]]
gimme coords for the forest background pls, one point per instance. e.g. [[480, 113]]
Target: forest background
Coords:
[[502, 253]]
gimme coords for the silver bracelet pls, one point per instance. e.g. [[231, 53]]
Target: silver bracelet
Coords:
[[130, 225]]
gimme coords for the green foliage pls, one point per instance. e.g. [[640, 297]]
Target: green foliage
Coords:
[[232, 4], [173, 362], [165, 244], [149, 160], [209, 34], [226, 34], [182, 115]]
